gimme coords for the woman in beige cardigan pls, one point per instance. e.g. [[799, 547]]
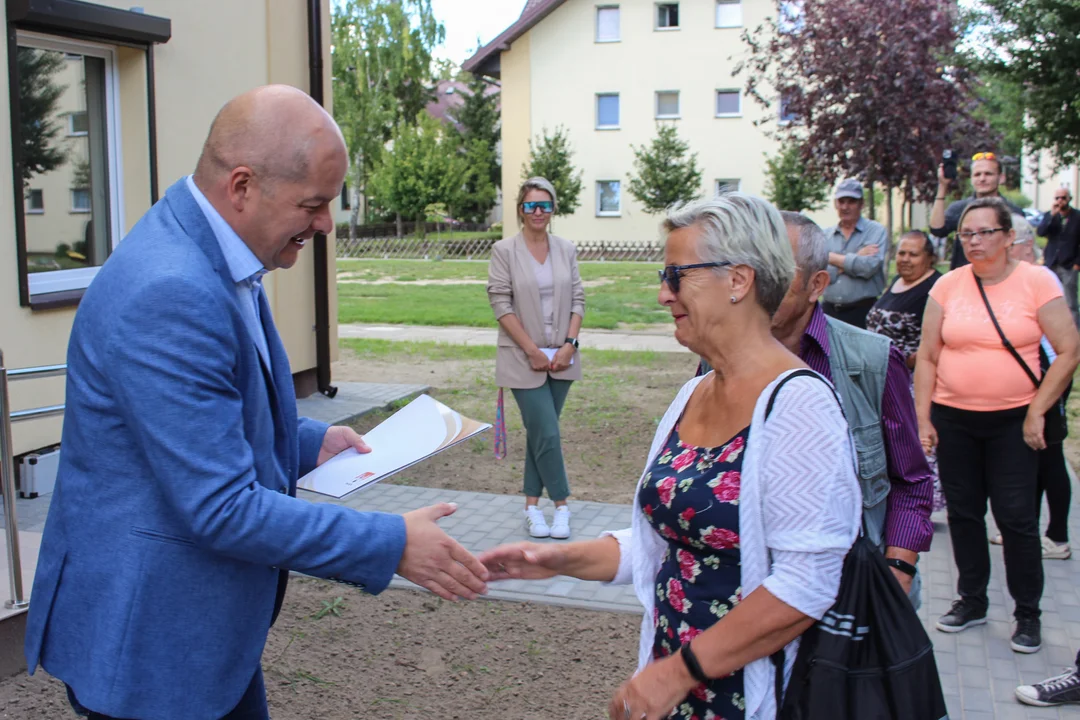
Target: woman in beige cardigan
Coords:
[[536, 293]]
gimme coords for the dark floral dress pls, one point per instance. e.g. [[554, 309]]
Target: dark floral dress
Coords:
[[691, 497]]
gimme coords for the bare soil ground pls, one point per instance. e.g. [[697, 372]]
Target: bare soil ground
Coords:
[[337, 654]]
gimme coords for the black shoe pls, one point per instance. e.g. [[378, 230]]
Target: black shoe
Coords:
[[1028, 635], [1061, 690], [962, 616]]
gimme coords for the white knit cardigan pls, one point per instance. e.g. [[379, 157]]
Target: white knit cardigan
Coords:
[[799, 503]]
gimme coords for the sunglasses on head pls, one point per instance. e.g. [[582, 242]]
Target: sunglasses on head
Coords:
[[983, 156], [672, 273], [546, 206]]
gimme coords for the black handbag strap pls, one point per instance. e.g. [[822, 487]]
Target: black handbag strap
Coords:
[[778, 659], [1004, 340]]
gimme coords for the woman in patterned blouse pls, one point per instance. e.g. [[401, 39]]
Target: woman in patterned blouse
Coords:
[[899, 312], [741, 523]]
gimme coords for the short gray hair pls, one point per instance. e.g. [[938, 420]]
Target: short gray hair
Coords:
[[743, 230], [812, 255], [1025, 233]]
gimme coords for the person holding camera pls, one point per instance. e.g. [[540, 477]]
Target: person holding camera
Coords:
[[987, 175], [1061, 227]]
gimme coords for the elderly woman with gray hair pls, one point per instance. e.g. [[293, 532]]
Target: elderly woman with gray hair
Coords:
[[748, 502]]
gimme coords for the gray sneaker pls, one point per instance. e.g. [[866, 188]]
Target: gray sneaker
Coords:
[[1061, 690]]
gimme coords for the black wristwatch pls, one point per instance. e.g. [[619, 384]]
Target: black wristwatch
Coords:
[[572, 341], [904, 567]]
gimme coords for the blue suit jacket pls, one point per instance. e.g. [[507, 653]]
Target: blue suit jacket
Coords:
[[174, 510]]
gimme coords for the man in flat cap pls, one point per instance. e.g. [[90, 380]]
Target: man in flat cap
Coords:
[[857, 251]]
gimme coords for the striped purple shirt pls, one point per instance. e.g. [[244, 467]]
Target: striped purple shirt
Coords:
[[907, 519]]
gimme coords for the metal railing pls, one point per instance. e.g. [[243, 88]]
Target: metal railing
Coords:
[[18, 599]]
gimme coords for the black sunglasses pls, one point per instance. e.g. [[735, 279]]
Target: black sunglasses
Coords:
[[672, 273]]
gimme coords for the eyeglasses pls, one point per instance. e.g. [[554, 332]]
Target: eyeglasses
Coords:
[[984, 234], [672, 273], [546, 206], [983, 156]]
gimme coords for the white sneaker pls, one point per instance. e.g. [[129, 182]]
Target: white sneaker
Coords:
[[534, 518], [1053, 551], [560, 528]]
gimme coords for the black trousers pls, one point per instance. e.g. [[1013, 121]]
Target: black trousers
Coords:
[[981, 456], [252, 705], [1054, 481], [852, 313]]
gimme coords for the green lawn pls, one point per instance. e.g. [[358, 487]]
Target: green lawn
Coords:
[[617, 294]]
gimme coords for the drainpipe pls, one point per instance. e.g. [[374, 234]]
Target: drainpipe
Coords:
[[322, 260]]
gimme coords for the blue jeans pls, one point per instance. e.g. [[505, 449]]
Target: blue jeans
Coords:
[[252, 705]]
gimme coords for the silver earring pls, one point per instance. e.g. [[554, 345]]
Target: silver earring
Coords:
[[734, 300]]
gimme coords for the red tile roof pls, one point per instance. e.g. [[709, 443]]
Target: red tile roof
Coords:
[[485, 59]]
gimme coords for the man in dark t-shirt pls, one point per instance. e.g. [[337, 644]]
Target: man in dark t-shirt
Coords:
[[987, 175]]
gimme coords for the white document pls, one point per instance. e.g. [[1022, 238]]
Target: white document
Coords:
[[414, 433], [550, 352]]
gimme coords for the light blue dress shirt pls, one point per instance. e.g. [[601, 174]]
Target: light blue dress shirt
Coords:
[[245, 269]]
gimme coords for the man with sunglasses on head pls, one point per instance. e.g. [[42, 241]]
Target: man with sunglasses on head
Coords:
[[987, 175], [1061, 227]]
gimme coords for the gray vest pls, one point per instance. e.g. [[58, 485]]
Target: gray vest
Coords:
[[859, 361]]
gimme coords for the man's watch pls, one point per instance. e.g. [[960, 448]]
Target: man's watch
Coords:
[[901, 565], [572, 341]]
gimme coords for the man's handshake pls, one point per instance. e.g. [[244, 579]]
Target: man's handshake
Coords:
[[434, 560]]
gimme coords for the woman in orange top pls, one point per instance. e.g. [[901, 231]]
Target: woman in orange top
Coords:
[[979, 407]]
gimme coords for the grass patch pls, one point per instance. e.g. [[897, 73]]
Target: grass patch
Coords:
[[623, 294]]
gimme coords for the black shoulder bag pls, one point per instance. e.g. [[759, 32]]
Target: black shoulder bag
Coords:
[[869, 657], [1056, 425]]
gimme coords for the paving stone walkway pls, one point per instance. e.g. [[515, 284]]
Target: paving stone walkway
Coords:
[[659, 338]]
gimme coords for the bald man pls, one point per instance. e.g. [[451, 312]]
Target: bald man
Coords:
[[174, 522]]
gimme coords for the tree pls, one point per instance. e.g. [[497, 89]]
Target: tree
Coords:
[[478, 126], [551, 158], [874, 92], [381, 60], [667, 173], [1034, 45], [39, 96], [420, 168], [788, 185]]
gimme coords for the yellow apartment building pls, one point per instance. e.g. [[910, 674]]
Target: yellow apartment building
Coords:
[[609, 72], [108, 105]]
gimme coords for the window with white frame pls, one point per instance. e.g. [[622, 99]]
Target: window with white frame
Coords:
[[729, 13], [608, 198], [667, 104], [35, 201], [728, 103], [727, 185], [78, 122], [69, 140], [667, 16], [607, 23], [80, 200], [607, 111]]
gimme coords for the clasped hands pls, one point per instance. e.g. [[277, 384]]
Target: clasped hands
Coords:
[[563, 356]]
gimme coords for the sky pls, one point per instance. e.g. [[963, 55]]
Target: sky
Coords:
[[466, 20]]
